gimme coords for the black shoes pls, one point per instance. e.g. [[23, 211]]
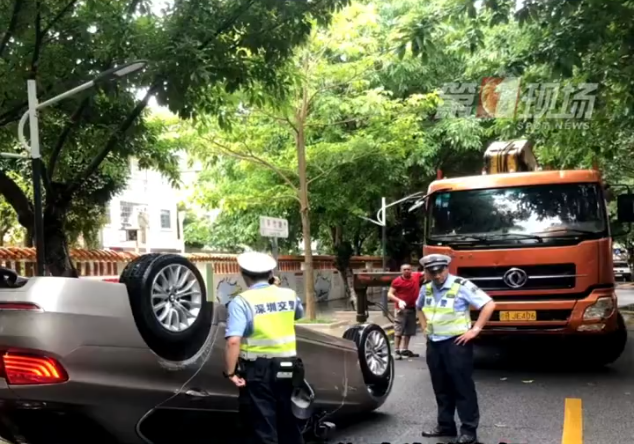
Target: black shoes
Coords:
[[405, 354], [438, 432], [466, 439]]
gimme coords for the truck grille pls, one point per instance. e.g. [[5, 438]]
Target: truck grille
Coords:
[[521, 277]]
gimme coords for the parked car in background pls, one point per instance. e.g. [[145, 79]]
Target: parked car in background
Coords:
[[622, 271]]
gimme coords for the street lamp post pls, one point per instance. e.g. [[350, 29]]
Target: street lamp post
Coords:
[[381, 221], [34, 147]]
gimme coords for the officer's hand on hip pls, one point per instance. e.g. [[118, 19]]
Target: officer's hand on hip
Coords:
[[238, 381], [468, 336]]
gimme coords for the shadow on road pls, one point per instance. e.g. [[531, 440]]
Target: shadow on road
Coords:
[[548, 356], [359, 421]]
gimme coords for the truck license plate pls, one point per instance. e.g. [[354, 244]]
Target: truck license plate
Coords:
[[510, 316]]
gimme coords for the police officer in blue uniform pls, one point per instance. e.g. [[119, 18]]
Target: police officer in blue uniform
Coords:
[[261, 353], [443, 309]]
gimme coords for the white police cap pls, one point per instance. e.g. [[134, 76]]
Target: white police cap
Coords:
[[434, 262], [256, 262]]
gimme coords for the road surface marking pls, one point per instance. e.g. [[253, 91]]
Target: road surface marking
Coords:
[[573, 422]]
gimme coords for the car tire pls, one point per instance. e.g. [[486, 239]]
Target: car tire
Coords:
[[169, 341], [374, 350], [132, 266]]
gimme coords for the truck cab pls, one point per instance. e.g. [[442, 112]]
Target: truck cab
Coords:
[[538, 242]]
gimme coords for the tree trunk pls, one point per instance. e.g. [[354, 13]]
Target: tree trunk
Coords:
[[56, 251], [343, 252], [28, 237], [309, 280]]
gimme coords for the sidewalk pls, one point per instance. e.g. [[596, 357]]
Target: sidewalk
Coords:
[[339, 316], [624, 285]]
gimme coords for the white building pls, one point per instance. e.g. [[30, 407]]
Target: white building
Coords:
[[145, 215]]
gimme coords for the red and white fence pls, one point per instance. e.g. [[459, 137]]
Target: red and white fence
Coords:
[[221, 271]]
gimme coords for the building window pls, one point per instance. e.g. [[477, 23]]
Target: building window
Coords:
[[131, 235], [127, 212], [166, 220]]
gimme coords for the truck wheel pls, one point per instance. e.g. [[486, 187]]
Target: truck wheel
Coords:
[[612, 346], [169, 302], [374, 351]]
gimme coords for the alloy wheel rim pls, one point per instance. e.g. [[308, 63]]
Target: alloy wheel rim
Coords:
[[176, 297], [376, 353]]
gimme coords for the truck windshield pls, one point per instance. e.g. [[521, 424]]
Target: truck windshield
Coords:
[[525, 214]]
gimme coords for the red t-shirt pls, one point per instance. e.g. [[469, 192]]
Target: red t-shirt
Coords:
[[407, 289]]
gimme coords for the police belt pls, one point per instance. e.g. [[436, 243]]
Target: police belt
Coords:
[[284, 368]]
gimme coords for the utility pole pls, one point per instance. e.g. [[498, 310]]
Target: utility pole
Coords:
[[382, 222]]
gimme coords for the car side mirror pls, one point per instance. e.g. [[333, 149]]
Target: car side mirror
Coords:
[[625, 208]]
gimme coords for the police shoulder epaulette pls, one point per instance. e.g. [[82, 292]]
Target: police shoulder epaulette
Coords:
[[460, 281]]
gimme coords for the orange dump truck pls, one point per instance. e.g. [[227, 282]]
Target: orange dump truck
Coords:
[[538, 242]]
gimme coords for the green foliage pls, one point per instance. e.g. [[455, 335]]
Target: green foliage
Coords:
[[197, 52], [11, 233], [369, 131]]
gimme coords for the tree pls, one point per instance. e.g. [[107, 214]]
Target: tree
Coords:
[[557, 47], [330, 119], [9, 227], [194, 49]]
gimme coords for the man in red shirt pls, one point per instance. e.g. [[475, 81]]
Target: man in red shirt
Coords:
[[404, 293]]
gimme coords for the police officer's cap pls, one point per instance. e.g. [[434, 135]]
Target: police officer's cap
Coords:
[[435, 262], [255, 262]]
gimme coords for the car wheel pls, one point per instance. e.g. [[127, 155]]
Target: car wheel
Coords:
[[169, 302], [373, 345], [132, 266]]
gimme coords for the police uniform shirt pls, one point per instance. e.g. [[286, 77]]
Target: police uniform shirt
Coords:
[[240, 317], [468, 295]]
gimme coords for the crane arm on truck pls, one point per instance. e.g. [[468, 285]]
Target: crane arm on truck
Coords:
[[509, 157]]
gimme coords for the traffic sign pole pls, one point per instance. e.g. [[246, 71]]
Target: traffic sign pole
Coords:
[[275, 252], [274, 228]]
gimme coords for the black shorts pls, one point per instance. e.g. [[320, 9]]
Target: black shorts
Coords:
[[405, 322]]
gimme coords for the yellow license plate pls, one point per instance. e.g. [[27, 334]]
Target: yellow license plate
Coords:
[[511, 316]]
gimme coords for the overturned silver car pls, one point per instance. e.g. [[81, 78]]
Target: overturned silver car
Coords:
[[140, 361]]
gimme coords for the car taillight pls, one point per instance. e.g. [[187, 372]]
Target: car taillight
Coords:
[[26, 369], [19, 306]]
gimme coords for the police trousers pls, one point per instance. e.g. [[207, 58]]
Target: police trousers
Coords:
[[451, 370], [265, 405]]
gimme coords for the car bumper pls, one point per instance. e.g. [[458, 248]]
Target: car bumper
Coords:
[[552, 317]]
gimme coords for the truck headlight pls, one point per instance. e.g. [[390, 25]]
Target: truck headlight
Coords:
[[601, 309]]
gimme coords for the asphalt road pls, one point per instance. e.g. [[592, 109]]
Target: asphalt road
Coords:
[[523, 399], [625, 296]]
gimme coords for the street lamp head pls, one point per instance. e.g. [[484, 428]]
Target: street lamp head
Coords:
[[120, 71], [129, 68]]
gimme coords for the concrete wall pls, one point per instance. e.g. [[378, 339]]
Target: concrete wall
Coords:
[[329, 285]]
